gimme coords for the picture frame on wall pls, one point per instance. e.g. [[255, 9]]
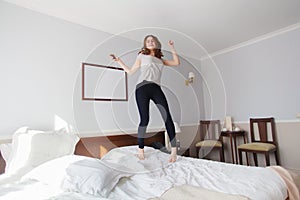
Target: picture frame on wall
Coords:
[[103, 83]]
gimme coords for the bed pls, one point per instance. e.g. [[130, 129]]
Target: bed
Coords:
[[61, 166]]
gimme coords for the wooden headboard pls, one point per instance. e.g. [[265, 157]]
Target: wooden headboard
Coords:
[[98, 146]]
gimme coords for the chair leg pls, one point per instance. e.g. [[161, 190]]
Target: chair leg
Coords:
[[200, 153], [248, 164], [255, 159], [240, 156], [267, 155], [276, 158], [222, 155], [197, 152]]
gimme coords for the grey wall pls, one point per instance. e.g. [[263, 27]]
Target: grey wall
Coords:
[[261, 79], [40, 59], [40, 77]]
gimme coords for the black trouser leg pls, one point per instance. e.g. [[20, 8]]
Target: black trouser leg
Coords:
[[161, 102], [143, 101], [145, 92]]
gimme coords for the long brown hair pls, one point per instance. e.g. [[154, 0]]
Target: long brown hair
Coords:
[[157, 50]]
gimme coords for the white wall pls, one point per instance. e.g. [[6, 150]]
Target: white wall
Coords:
[[40, 77], [40, 60], [261, 79]]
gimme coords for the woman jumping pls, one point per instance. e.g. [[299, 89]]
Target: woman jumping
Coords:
[[150, 62]]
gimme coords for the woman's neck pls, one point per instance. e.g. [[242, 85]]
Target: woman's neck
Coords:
[[152, 53]]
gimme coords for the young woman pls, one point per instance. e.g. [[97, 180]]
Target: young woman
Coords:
[[150, 62]]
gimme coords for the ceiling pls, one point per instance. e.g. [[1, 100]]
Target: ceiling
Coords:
[[213, 24]]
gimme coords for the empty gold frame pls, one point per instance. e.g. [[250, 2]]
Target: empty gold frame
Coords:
[[103, 83]]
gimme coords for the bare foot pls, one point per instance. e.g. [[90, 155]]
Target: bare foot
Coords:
[[173, 156], [141, 154]]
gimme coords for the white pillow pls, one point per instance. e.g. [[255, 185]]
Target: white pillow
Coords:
[[78, 174], [6, 148], [6, 151], [29, 149]]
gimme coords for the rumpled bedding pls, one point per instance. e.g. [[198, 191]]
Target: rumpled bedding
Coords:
[[251, 182], [155, 176], [196, 193]]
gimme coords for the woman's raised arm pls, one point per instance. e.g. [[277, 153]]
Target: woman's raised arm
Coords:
[[175, 61], [129, 70]]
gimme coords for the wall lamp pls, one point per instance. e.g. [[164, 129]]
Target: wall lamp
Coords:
[[190, 79]]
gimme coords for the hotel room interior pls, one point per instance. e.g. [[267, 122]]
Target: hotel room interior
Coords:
[[69, 117]]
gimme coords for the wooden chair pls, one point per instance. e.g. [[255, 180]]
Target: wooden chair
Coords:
[[261, 142], [210, 139]]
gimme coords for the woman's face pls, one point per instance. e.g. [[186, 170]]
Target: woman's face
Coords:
[[150, 43]]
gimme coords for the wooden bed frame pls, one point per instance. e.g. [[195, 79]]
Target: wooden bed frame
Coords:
[[98, 146]]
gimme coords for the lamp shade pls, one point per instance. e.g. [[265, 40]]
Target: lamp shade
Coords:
[[191, 75]]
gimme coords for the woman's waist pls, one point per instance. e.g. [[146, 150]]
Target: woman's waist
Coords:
[[147, 82]]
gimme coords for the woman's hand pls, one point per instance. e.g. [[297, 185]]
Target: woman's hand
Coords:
[[171, 43], [175, 61], [114, 57], [129, 70]]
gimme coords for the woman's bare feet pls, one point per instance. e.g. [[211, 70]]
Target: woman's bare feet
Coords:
[[173, 156], [141, 154]]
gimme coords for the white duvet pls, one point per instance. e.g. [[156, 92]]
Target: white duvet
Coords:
[[154, 172], [144, 179]]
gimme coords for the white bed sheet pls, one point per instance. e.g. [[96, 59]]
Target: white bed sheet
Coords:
[[35, 190], [153, 176], [14, 186], [257, 183]]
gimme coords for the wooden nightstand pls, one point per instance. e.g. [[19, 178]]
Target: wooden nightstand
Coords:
[[233, 144]]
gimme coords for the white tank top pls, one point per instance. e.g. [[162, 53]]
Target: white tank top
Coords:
[[151, 68]]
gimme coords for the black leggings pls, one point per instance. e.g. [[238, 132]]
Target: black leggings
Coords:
[[145, 92]]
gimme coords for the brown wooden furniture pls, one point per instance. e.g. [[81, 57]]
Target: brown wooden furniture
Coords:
[[98, 146], [233, 144], [210, 139], [261, 142], [2, 164], [183, 151]]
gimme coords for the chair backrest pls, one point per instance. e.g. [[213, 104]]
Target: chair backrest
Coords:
[[263, 130], [210, 129]]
